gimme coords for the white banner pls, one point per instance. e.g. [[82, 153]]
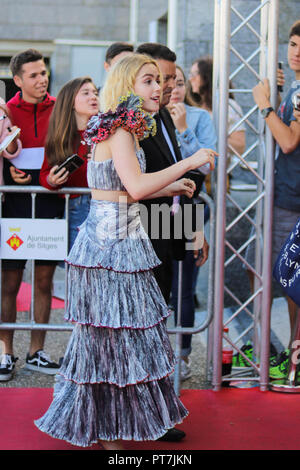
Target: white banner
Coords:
[[33, 239]]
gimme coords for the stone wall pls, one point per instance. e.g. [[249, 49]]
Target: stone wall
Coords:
[[37, 20], [31, 22]]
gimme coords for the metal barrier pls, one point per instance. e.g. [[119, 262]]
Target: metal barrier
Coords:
[[178, 331], [34, 190], [267, 11]]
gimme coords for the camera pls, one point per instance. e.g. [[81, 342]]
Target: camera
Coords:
[[296, 101]]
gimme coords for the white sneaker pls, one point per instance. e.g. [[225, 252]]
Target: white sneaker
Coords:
[[7, 366], [186, 371]]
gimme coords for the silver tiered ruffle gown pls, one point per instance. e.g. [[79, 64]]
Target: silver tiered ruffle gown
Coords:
[[114, 381]]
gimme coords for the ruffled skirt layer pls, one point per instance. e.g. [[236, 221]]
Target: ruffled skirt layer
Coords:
[[114, 381], [83, 414]]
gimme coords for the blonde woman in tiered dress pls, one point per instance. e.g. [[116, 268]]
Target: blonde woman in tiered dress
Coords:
[[114, 382]]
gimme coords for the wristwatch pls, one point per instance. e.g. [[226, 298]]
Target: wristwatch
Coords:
[[266, 111]]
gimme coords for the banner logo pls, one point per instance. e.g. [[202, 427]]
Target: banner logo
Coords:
[[14, 242]]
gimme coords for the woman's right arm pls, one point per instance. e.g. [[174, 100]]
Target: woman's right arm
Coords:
[[140, 185]]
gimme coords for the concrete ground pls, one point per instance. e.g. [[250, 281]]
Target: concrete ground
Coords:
[[55, 345], [56, 341]]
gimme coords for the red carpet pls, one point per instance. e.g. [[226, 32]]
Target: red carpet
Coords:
[[24, 297], [232, 419]]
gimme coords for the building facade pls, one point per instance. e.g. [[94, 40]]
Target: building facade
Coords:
[[73, 35]]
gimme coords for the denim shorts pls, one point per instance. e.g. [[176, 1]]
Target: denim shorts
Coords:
[[283, 223], [79, 208]]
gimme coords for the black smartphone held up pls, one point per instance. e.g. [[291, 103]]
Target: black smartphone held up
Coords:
[[280, 87], [71, 164]]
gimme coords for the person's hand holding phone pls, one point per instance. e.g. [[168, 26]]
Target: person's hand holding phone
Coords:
[[280, 77], [12, 147], [59, 178], [19, 176]]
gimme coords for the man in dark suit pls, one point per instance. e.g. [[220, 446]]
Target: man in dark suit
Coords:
[[161, 151]]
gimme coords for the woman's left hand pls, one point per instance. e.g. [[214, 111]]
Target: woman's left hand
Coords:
[[182, 187], [59, 178], [178, 113]]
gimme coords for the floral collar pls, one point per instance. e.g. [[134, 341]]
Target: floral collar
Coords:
[[129, 115]]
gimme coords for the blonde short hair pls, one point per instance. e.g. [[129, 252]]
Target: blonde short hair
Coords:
[[121, 79]]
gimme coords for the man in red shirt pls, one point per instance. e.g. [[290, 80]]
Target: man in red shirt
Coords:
[[30, 110]]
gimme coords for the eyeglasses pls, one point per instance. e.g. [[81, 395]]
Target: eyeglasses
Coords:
[[193, 74]]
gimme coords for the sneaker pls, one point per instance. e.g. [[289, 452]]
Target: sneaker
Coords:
[[41, 362], [186, 371], [238, 361], [279, 369], [7, 366], [273, 355]]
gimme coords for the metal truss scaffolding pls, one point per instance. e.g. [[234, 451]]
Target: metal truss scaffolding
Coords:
[[232, 58]]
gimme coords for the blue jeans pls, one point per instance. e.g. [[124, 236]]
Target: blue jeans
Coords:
[[196, 271], [79, 208], [189, 282], [189, 270]]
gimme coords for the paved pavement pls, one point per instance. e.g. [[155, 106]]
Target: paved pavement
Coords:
[[55, 345], [56, 342]]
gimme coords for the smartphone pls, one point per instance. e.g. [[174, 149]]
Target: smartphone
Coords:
[[9, 138], [71, 164], [20, 172], [280, 87], [296, 101]]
